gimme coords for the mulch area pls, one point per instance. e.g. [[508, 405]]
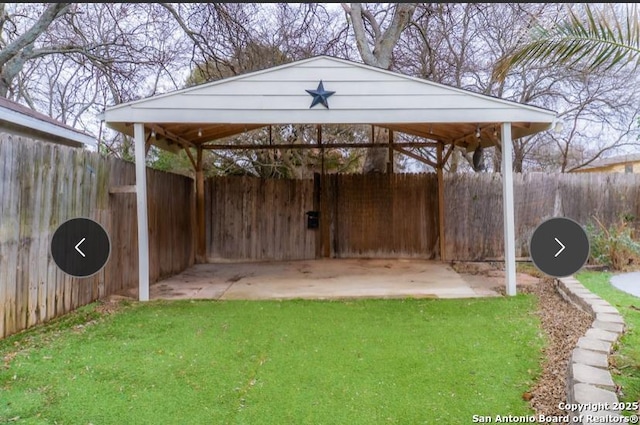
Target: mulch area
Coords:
[[563, 325]]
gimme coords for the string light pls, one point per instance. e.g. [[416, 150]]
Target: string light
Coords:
[[495, 132], [478, 132], [153, 134], [199, 132]]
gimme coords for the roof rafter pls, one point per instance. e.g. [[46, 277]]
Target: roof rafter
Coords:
[[317, 146]]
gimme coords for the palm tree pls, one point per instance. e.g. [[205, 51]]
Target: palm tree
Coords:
[[596, 40]]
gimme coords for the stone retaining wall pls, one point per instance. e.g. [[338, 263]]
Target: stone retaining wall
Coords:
[[588, 378]]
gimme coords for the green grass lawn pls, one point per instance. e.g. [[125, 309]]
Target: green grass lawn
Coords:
[[627, 358], [291, 362]]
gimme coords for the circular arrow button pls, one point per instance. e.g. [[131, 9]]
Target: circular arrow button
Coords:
[[80, 247], [559, 247]]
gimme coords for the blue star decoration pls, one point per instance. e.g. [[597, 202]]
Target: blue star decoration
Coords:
[[320, 95]]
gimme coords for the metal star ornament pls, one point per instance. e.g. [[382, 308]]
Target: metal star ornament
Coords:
[[320, 95]]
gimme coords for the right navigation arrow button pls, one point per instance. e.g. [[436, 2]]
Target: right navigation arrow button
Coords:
[[549, 242], [561, 249]]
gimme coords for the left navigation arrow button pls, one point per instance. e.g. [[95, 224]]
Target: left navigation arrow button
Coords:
[[83, 239], [80, 247]]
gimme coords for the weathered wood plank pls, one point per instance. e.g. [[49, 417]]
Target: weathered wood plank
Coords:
[[123, 189]]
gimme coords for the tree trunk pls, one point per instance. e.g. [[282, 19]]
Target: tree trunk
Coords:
[[377, 158], [381, 57]]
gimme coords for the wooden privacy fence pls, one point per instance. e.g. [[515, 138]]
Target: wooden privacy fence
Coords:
[[396, 215], [360, 216], [41, 186], [473, 205]]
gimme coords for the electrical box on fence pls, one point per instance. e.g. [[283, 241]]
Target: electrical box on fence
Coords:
[[313, 219]]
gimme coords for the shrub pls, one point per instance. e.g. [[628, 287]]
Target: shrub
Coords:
[[614, 246]]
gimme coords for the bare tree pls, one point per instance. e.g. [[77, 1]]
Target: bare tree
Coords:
[[376, 36], [17, 47], [459, 44], [72, 60], [280, 33], [97, 55]]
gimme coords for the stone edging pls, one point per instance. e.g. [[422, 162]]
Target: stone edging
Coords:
[[588, 378]]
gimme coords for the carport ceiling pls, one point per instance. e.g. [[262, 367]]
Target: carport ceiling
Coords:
[[363, 94]]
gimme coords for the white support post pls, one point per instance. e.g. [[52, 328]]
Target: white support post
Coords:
[[143, 229], [507, 208]]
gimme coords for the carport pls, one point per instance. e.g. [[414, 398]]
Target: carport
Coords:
[[324, 90]]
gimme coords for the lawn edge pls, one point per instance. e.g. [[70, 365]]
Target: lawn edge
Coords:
[[589, 380]]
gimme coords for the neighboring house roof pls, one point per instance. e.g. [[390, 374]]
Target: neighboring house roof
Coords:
[[20, 119], [607, 162]]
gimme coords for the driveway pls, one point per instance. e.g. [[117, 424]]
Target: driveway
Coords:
[[627, 282]]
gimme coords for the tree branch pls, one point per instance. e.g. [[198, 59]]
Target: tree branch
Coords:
[[50, 14]]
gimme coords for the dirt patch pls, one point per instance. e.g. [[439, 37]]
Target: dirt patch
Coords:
[[475, 268], [112, 304], [235, 278]]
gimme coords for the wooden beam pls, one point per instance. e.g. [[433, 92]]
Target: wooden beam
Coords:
[[325, 223], [209, 136], [123, 189], [508, 210], [417, 130], [143, 223], [201, 238], [193, 161], [463, 138], [169, 135], [179, 140], [316, 146], [448, 154], [390, 163], [416, 157], [147, 144], [319, 142], [441, 227]]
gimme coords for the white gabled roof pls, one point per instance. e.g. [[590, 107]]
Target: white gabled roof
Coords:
[[363, 95]]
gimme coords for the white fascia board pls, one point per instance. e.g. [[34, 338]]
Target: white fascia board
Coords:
[[335, 116], [45, 127]]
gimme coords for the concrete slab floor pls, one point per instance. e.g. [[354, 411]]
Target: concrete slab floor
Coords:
[[320, 279]]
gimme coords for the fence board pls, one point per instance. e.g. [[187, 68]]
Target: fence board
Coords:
[[382, 215]]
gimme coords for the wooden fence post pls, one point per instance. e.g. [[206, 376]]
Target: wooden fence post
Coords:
[[439, 168]]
